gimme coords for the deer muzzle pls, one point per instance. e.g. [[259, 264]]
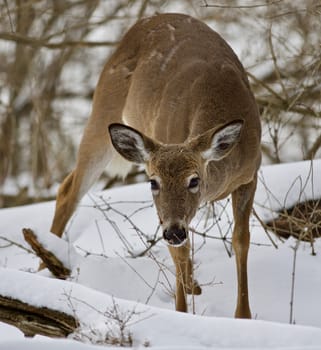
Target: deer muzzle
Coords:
[[175, 235]]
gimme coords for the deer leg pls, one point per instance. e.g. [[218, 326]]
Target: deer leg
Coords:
[[180, 256], [191, 284], [242, 200], [95, 150], [184, 281], [93, 157], [64, 206], [77, 183]]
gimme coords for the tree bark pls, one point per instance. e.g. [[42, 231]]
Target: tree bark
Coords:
[[32, 320], [50, 260]]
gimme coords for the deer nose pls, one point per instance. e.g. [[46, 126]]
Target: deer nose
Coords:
[[175, 235]]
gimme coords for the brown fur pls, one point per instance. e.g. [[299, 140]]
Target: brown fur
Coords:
[[178, 84]]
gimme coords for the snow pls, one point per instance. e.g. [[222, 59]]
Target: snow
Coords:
[[102, 246]]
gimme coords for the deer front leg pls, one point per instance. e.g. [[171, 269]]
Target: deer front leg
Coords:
[[92, 159], [180, 256], [242, 200], [184, 281]]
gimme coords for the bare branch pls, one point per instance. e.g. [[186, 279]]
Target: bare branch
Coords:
[[35, 42], [51, 261], [9, 15], [313, 150], [241, 6]]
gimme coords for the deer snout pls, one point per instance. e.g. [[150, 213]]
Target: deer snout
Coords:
[[175, 235]]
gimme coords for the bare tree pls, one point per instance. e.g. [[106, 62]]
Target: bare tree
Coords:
[[282, 52], [47, 62]]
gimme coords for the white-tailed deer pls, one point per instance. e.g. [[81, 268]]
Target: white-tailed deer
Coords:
[[175, 98]]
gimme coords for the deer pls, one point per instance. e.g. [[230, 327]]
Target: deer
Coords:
[[175, 98]]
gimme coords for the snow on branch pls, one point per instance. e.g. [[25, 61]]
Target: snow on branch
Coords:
[[58, 269], [32, 320]]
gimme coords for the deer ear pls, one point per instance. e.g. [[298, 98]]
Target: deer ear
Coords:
[[130, 143], [218, 144]]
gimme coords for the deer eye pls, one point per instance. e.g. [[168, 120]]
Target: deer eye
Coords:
[[154, 186], [193, 185]]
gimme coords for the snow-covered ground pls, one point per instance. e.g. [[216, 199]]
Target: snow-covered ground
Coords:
[[103, 245]]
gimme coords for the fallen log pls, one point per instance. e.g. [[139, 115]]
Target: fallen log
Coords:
[[32, 320], [301, 221]]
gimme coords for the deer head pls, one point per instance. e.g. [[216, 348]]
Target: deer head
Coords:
[[177, 172]]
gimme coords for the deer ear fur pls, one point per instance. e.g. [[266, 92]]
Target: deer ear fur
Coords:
[[130, 143], [217, 144]]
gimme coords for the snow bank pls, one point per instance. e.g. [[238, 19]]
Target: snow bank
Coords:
[[102, 268], [154, 326]]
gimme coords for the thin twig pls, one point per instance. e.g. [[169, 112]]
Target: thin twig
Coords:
[[295, 250], [241, 6], [35, 42], [275, 63], [264, 228], [9, 15], [17, 245]]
